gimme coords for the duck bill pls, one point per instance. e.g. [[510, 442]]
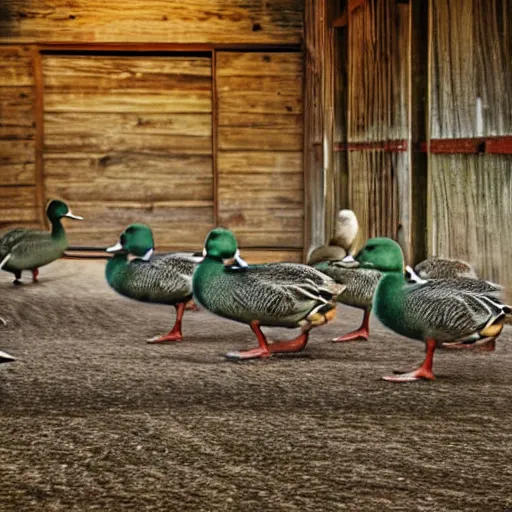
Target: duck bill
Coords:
[[115, 248], [349, 262], [236, 260], [72, 216]]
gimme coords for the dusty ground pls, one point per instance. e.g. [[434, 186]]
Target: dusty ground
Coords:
[[93, 418]]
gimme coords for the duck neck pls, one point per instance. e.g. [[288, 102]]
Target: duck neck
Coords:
[[388, 296], [116, 263], [57, 229]]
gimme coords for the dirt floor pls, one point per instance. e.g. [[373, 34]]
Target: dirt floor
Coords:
[[93, 418]]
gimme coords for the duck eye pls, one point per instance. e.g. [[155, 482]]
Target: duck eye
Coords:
[[122, 239], [371, 248]]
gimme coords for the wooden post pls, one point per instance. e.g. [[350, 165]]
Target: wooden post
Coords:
[[314, 179], [419, 108]]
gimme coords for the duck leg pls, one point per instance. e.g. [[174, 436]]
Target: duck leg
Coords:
[[423, 372], [360, 334], [266, 349], [175, 333], [262, 351], [35, 274], [17, 277]]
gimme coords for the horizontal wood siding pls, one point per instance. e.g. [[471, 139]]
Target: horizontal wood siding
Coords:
[[471, 94], [260, 138], [17, 139], [152, 21], [129, 139]]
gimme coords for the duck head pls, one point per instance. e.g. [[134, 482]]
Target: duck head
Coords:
[[136, 239], [381, 254], [57, 209], [221, 244], [346, 230]]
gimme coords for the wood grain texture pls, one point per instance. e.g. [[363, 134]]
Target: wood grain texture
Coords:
[[129, 139], [15, 66], [18, 204], [260, 176], [198, 21], [472, 213]]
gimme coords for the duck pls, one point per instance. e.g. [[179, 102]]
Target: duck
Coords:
[[360, 284], [343, 243], [290, 295], [438, 312], [6, 358], [160, 279], [444, 268], [29, 249]]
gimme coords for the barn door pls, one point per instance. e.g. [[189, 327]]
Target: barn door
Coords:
[[378, 119], [260, 139], [128, 138]]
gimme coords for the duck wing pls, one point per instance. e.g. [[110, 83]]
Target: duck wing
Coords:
[[282, 290], [448, 311], [10, 239]]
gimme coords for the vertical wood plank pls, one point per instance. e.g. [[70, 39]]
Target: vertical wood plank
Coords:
[[419, 108], [39, 140], [215, 144], [314, 205]]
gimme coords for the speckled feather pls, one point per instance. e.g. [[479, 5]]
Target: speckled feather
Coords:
[[281, 294], [444, 268], [360, 284], [446, 310], [165, 279], [31, 248]]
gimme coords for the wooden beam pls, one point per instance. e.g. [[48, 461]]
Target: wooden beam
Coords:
[[215, 139], [419, 107], [39, 137], [389, 146]]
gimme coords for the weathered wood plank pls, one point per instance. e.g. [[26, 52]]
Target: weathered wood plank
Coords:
[[16, 151], [16, 113], [260, 131], [181, 187], [200, 21], [118, 142], [278, 239], [125, 166], [17, 174], [196, 125], [270, 256], [259, 64], [276, 95], [256, 162], [15, 66], [262, 219], [17, 204], [144, 101]]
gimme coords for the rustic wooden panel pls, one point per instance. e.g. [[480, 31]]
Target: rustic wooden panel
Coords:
[[124, 166], [472, 68], [200, 21], [131, 141], [18, 204], [175, 225], [472, 212], [261, 182], [276, 132], [15, 66], [255, 162], [378, 111]]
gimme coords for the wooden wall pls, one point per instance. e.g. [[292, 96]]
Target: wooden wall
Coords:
[[116, 108], [128, 139], [18, 197], [471, 97], [260, 135], [152, 21]]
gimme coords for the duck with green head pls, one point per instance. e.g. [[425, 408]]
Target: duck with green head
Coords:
[[162, 279], [438, 312], [273, 294], [29, 249]]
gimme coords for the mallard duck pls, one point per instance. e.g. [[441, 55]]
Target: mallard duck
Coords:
[[162, 279], [273, 294], [29, 249], [360, 284], [438, 312], [444, 268], [342, 244], [6, 358]]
